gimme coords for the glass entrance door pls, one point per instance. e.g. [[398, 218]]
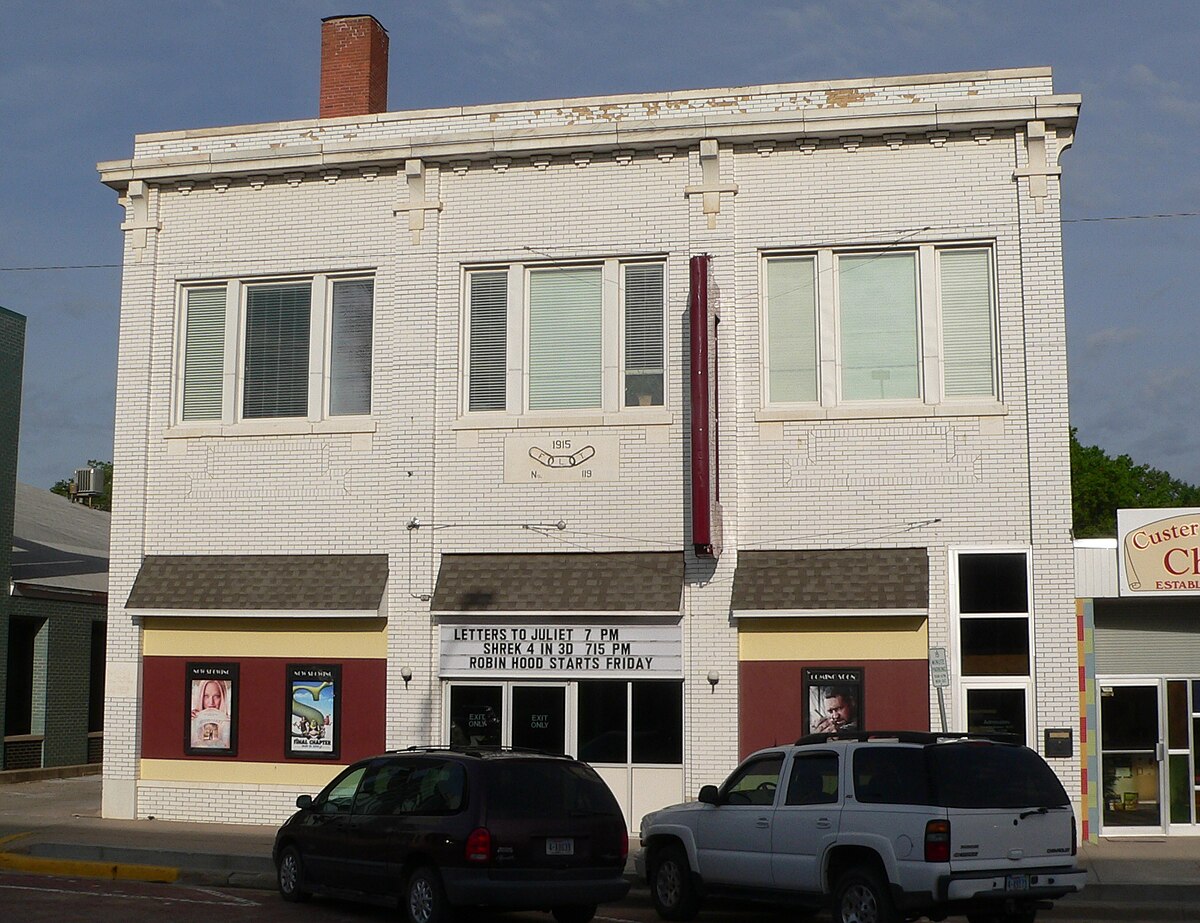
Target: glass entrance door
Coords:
[[539, 718], [1131, 757], [527, 716]]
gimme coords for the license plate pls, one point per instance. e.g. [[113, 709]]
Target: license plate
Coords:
[[560, 846], [1016, 883]]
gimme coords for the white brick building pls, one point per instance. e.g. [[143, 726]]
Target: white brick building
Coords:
[[400, 390]]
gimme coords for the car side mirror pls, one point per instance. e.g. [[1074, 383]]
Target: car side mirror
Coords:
[[709, 795], [304, 802]]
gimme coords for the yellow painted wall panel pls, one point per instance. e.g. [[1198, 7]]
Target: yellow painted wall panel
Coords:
[[310, 777], [250, 637], [888, 638]]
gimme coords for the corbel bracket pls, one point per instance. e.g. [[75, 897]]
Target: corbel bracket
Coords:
[[137, 213], [711, 187], [1039, 166], [417, 205]]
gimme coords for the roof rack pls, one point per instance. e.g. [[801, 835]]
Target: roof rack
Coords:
[[904, 737], [481, 750]]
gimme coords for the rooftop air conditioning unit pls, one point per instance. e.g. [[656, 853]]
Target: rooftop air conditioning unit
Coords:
[[89, 482]]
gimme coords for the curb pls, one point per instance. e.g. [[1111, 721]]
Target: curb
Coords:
[[82, 868]]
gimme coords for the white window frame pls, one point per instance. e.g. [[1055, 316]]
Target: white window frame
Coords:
[[930, 348], [517, 412], [232, 422], [961, 683]]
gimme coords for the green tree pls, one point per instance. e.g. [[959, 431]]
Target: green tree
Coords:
[[102, 502], [1101, 485]]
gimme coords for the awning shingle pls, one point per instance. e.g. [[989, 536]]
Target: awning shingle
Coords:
[[842, 579], [619, 582], [300, 582]]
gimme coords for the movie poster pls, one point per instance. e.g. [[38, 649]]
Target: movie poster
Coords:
[[833, 700], [314, 710], [210, 696]]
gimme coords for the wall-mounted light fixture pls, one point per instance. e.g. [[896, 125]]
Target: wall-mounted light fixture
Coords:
[[713, 678], [406, 675]]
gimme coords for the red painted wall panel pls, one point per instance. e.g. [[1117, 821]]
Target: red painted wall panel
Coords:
[[895, 692], [261, 709]]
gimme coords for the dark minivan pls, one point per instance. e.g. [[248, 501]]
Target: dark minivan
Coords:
[[445, 828]]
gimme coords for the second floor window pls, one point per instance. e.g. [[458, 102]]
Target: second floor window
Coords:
[[586, 337], [247, 349], [852, 327]]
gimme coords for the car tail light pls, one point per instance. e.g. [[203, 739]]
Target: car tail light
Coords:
[[1074, 836], [625, 846], [479, 845], [937, 841]]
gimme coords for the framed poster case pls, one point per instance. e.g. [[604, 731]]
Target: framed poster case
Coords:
[[211, 696], [314, 711], [833, 700]]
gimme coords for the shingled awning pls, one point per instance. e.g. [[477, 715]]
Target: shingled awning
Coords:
[[260, 584], [857, 581], [623, 582]]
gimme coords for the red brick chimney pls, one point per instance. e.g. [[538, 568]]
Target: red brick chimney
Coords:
[[354, 65]]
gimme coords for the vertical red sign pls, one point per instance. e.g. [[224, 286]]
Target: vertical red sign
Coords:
[[702, 391]]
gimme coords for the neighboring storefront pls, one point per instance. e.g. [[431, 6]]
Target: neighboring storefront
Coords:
[[258, 672], [1139, 629], [820, 648], [570, 653]]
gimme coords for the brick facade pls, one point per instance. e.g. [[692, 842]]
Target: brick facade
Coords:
[[12, 359], [882, 163]]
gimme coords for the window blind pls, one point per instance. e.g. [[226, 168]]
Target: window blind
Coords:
[[791, 330], [275, 382], [565, 328], [488, 347], [204, 353], [350, 350], [644, 335], [968, 348], [878, 317]]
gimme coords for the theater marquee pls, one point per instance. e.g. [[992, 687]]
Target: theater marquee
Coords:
[[576, 651], [1159, 552]]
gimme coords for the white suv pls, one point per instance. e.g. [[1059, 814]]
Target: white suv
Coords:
[[882, 826]]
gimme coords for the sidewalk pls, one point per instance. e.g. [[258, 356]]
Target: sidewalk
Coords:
[[54, 826]]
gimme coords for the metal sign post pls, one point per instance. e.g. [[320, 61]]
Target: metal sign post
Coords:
[[939, 675]]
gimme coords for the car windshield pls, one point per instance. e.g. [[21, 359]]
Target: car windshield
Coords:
[[973, 775], [546, 788]]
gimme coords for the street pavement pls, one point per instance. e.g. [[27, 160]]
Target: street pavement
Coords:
[[53, 827]]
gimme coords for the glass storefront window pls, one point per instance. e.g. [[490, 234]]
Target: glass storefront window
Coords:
[[995, 647], [1177, 714], [992, 583], [603, 721], [657, 722], [1181, 790], [997, 713]]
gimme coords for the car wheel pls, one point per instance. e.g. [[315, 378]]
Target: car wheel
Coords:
[[290, 876], [862, 896], [574, 913], [672, 890], [424, 900]]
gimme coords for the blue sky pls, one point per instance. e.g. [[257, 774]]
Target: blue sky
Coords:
[[79, 79]]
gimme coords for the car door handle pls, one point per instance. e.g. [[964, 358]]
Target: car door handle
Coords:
[[762, 822], [823, 823]]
